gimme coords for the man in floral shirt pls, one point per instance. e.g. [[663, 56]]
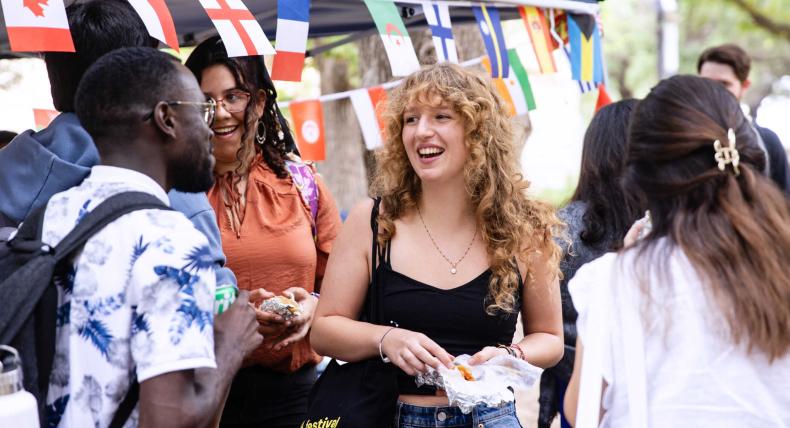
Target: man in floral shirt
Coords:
[[138, 299]]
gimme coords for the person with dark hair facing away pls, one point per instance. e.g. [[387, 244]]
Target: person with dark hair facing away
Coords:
[[138, 299], [40, 164], [598, 217], [278, 222], [689, 326], [729, 65]]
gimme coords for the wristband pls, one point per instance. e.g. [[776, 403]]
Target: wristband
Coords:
[[509, 350], [315, 294]]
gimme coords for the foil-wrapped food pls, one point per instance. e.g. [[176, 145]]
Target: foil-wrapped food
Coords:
[[491, 383], [283, 306]]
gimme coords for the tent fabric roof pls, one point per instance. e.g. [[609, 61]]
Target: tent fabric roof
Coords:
[[327, 17]]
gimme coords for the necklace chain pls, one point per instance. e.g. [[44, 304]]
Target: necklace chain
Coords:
[[453, 269]]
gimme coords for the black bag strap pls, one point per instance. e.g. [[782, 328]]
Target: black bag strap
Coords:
[[127, 405], [375, 295], [24, 303]]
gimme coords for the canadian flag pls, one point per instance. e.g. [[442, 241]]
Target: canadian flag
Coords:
[[308, 118], [368, 106], [37, 26], [240, 32], [158, 20]]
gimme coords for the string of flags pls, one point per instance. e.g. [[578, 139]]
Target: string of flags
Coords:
[[43, 26]]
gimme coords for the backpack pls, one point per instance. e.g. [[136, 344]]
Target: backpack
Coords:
[[30, 298]]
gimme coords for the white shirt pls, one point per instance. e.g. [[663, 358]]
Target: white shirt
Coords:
[[695, 376], [137, 299]]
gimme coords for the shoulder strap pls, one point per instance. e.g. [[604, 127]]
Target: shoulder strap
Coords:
[[29, 240], [127, 405], [304, 180], [374, 291]]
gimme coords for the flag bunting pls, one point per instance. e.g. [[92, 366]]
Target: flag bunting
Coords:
[[240, 32], [158, 21], [293, 23], [493, 38], [438, 17], [37, 26]]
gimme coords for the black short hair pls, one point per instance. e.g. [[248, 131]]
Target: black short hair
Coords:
[[123, 86], [97, 27]]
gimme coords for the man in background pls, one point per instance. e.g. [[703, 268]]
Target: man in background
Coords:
[[730, 65]]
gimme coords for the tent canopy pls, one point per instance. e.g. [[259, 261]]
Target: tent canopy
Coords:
[[330, 17]]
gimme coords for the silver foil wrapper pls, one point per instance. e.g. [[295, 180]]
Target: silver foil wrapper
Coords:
[[491, 385], [282, 306]]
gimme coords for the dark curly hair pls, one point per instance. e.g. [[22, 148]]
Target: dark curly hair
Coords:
[[251, 75]]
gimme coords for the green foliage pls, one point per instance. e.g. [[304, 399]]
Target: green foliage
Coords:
[[631, 49]]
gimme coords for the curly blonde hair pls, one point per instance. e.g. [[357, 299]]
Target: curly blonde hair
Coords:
[[510, 223]]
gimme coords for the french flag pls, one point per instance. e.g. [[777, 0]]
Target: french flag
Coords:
[[293, 23]]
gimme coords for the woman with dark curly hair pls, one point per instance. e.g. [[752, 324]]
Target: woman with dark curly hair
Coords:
[[598, 217], [465, 249], [278, 222]]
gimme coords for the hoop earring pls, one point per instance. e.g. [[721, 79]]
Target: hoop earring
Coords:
[[260, 133]]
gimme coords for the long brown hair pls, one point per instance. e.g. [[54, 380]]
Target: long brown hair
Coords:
[[734, 228], [511, 223]]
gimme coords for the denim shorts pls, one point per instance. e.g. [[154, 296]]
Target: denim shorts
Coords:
[[409, 416]]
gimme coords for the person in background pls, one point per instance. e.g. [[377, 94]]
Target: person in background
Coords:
[[6, 137], [690, 325], [729, 65], [136, 303], [278, 222], [598, 216], [465, 249], [36, 165]]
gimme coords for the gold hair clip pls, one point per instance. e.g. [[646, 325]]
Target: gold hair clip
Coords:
[[727, 155]]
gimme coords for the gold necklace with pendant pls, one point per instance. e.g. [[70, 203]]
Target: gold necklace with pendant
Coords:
[[453, 269]]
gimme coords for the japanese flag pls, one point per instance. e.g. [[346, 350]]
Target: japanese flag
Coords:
[[37, 26]]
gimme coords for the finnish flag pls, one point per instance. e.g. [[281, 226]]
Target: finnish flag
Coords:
[[438, 17]]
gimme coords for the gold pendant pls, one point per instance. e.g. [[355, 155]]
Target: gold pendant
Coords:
[[453, 271]]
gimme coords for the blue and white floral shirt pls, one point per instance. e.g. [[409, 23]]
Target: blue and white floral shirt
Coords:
[[137, 300]]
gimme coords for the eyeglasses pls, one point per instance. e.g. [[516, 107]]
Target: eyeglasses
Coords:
[[234, 101], [208, 109]]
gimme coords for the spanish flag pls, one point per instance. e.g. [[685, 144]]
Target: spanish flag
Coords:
[[586, 54], [539, 35]]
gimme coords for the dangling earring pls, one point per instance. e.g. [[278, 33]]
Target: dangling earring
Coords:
[[260, 133]]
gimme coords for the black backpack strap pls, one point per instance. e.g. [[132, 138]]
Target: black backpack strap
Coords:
[[105, 213], [127, 405], [24, 299]]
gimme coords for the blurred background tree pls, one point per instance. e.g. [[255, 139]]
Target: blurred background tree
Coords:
[[762, 27]]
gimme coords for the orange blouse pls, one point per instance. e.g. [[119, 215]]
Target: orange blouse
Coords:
[[274, 247]]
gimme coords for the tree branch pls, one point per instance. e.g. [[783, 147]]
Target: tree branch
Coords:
[[762, 20]]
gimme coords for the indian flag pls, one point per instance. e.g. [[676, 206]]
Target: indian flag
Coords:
[[515, 90], [397, 42]]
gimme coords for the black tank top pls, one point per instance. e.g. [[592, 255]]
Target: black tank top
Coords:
[[456, 319]]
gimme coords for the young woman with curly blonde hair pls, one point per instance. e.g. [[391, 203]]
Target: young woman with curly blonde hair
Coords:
[[465, 250]]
